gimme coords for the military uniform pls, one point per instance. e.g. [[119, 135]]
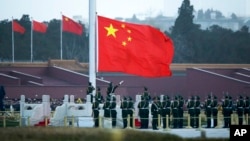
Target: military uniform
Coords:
[[113, 111], [215, 110], [197, 110], [131, 110], [175, 107], [146, 94], [124, 107], [191, 110], [180, 111], [208, 110], [166, 110], [143, 107], [106, 107], [155, 110], [247, 108], [89, 91], [226, 105], [98, 96], [95, 108], [240, 109]]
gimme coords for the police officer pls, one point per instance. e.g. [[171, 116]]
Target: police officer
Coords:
[[98, 96], [208, 110], [215, 110], [124, 107], [166, 110], [155, 110], [113, 111], [175, 107], [143, 107], [89, 91], [240, 105], [191, 110], [95, 108]]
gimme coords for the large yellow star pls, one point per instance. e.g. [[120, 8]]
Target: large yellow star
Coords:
[[111, 30]]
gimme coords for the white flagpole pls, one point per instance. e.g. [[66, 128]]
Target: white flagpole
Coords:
[[13, 44], [61, 37], [92, 43], [31, 41]]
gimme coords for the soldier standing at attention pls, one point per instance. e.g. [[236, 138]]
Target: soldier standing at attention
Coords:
[[197, 110], [215, 110], [95, 108], [240, 105], [155, 109], [98, 96], [146, 94], [208, 110], [247, 108], [2, 96], [166, 110], [124, 107], [175, 112], [180, 111], [106, 107], [226, 111], [191, 110], [113, 111], [130, 110], [143, 107]]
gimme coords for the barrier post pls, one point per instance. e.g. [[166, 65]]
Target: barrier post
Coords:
[[199, 126], [46, 121], [188, 121], [167, 123], [133, 121], [28, 121], [128, 121], [246, 119], [20, 121], [232, 119], [100, 121], [159, 121], [4, 121], [73, 121]]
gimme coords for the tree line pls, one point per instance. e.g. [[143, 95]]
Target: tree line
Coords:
[[192, 44]]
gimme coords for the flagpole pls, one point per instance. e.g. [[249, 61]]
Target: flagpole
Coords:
[[92, 43], [13, 51], [31, 41], [61, 37]]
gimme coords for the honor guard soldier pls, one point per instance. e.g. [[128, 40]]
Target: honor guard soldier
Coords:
[[240, 105], [180, 111], [197, 110], [98, 96], [2, 96], [90, 90], [130, 110], [106, 107], [175, 113], [95, 108], [247, 108], [155, 110], [166, 110], [226, 111], [215, 110], [124, 107], [146, 94], [113, 111], [208, 110], [191, 110], [143, 107]]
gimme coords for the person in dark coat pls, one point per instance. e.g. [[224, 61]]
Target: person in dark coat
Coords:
[[143, 107], [2, 96], [124, 107]]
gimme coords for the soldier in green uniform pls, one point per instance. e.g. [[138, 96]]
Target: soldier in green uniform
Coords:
[[143, 107], [130, 110], [197, 110], [226, 111], [146, 94], [208, 110], [155, 110], [95, 108], [89, 91], [175, 107], [124, 107], [215, 110], [191, 110], [240, 105], [166, 110], [106, 107], [247, 108], [98, 96], [180, 111], [113, 111]]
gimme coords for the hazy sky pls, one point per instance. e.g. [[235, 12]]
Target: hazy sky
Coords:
[[45, 10]]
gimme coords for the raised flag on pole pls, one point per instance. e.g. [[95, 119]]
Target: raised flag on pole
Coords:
[[39, 27], [17, 27], [133, 49], [70, 25]]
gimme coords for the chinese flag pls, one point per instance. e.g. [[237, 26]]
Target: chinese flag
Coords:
[[18, 28], [133, 49], [71, 26], [39, 27]]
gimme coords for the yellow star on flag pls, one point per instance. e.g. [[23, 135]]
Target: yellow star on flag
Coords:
[[111, 30]]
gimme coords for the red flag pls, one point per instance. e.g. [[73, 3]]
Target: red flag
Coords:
[[18, 28], [39, 27], [71, 26], [134, 49]]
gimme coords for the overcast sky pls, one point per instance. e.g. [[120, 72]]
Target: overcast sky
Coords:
[[45, 10]]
